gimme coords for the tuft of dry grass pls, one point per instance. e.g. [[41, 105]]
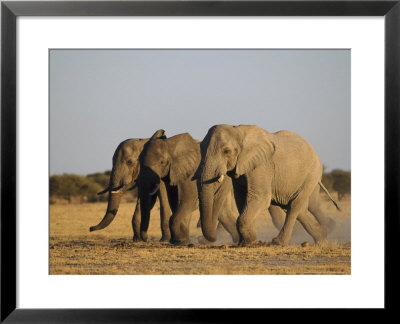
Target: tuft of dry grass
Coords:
[[74, 250]]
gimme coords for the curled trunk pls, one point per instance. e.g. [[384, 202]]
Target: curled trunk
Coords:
[[112, 209]]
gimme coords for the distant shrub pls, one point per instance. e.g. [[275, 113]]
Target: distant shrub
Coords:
[[71, 185], [339, 181], [327, 181], [102, 178], [75, 188], [342, 182]]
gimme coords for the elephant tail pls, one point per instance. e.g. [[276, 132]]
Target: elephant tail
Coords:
[[329, 195]]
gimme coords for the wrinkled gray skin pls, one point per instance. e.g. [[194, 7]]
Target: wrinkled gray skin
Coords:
[[124, 176], [277, 171], [174, 161]]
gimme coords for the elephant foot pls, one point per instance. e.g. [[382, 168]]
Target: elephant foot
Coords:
[[277, 241], [203, 240], [253, 244], [235, 239], [143, 236], [178, 242], [321, 237], [321, 242], [137, 239], [244, 243], [165, 239]]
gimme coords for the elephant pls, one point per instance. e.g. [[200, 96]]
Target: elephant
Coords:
[[173, 162], [124, 177], [268, 170]]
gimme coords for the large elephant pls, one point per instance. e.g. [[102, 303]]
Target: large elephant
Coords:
[[124, 176], [173, 161], [275, 170]]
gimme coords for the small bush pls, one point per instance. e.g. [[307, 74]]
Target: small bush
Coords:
[[101, 178], [73, 188], [339, 181], [68, 186]]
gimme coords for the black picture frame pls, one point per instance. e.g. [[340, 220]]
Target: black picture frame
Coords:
[[10, 10]]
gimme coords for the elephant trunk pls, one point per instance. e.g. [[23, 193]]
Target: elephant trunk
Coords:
[[115, 191], [206, 203], [112, 209], [208, 223]]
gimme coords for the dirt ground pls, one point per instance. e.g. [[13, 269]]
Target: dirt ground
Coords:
[[74, 250]]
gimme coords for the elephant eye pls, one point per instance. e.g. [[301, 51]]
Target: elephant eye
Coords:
[[129, 162], [227, 151]]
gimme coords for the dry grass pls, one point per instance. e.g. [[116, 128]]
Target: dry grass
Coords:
[[74, 250]]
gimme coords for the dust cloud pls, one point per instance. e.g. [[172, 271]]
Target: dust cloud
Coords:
[[339, 233]]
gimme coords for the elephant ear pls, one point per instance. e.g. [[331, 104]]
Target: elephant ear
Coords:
[[257, 148], [185, 157], [159, 134]]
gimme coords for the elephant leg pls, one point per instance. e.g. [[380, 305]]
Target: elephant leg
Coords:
[[298, 206], [224, 207], [220, 227], [228, 217], [287, 228], [144, 223], [180, 219], [314, 206], [136, 223], [179, 225], [165, 213], [258, 197], [278, 216], [245, 222], [240, 192], [313, 227], [228, 221]]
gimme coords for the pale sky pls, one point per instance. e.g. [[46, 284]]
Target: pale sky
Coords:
[[98, 98]]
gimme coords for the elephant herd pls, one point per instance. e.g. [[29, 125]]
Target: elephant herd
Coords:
[[231, 176]]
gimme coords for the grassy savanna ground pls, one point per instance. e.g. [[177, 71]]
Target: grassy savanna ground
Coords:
[[74, 250]]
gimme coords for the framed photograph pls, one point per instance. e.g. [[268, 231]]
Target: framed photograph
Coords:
[[194, 159]]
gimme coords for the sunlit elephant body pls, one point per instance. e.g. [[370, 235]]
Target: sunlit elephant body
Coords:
[[173, 162], [124, 176], [274, 170]]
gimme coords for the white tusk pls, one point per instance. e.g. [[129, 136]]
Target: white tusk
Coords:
[[221, 178], [116, 191], [155, 190]]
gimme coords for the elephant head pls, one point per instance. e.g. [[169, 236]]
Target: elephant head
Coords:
[[228, 150], [171, 160], [124, 175]]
